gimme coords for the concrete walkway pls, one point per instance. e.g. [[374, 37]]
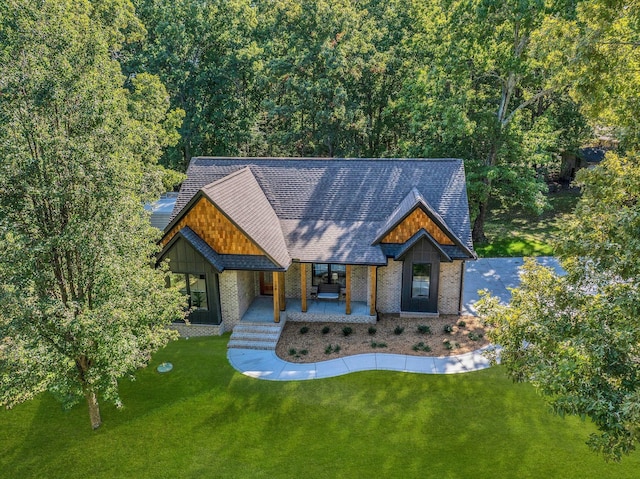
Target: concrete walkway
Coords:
[[266, 365], [493, 274]]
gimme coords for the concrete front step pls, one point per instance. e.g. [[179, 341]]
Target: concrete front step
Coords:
[[257, 328], [255, 336], [244, 344]]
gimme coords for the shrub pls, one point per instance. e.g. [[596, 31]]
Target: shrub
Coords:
[[424, 329], [372, 330], [292, 352], [421, 347], [473, 336], [347, 330], [461, 324], [447, 344], [378, 345], [332, 349], [326, 330], [399, 330], [448, 328], [304, 352], [304, 330]]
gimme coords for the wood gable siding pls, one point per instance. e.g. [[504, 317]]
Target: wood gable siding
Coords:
[[215, 229], [412, 224]]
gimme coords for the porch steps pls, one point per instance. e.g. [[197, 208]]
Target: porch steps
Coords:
[[255, 336]]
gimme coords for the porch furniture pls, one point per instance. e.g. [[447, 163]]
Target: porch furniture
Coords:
[[329, 291]]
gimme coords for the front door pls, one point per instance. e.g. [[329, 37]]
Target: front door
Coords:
[[266, 284]]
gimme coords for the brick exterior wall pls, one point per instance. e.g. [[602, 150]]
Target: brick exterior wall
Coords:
[[389, 287], [359, 283], [292, 281], [246, 290], [237, 291], [449, 292]]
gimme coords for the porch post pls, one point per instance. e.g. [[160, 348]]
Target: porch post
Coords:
[[281, 288], [303, 286], [372, 290], [347, 288], [276, 298]]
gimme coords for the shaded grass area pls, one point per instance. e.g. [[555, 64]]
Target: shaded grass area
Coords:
[[513, 232], [204, 419]]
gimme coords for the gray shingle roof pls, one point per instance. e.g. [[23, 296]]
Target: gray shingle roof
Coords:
[[333, 209], [240, 197]]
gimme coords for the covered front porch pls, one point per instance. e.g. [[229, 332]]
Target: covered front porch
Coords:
[[318, 310], [346, 293]]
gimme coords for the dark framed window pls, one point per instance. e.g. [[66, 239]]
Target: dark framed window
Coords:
[[194, 286], [420, 280], [329, 274]]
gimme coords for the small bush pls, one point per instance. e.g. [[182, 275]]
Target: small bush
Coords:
[[347, 330], [461, 324], [326, 330], [398, 331], [448, 328], [332, 349], [473, 336], [421, 347], [372, 330], [304, 330], [304, 352], [424, 329], [447, 344], [378, 345], [292, 352]]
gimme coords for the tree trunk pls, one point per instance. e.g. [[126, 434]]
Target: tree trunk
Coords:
[[478, 225], [94, 408]]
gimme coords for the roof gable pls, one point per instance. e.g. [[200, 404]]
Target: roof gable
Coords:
[[206, 220], [413, 214], [240, 197]]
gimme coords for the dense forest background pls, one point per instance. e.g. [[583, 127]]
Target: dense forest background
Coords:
[[506, 85]]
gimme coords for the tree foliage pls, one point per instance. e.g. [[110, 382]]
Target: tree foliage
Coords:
[[576, 337], [80, 302]]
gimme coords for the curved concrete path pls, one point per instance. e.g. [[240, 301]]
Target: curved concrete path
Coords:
[[494, 274], [263, 364]]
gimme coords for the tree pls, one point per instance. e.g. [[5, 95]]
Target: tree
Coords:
[[206, 55], [576, 337], [81, 304], [483, 93]]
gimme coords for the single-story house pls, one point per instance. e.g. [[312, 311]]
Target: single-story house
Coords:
[[371, 235]]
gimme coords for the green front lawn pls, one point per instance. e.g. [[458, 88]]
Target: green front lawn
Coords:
[[204, 420], [513, 232]]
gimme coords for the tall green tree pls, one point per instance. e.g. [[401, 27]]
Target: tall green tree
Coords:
[[206, 55], [576, 337], [483, 93], [81, 304]]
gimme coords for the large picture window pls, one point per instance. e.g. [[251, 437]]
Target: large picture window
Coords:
[[194, 286], [329, 274], [420, 281]]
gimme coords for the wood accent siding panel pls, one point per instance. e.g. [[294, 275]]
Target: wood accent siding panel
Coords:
[[410, 226], [216, 229]]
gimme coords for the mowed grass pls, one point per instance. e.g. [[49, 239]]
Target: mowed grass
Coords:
[[513, 232], [205, 420]]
